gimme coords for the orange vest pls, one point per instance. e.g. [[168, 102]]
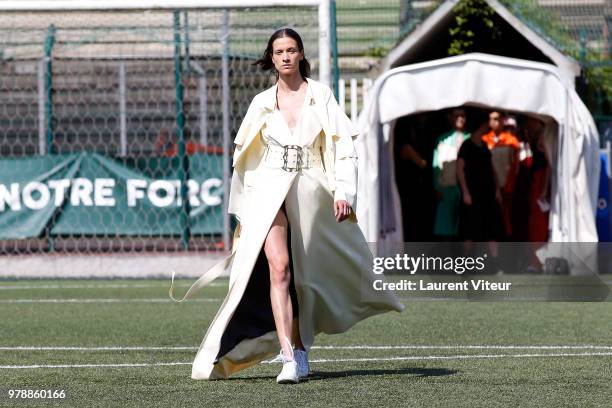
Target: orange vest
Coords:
[[505, 139]]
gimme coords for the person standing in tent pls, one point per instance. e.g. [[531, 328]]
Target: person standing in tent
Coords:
[[300, 264], [480, 218], [413, 163], [520, 201], [445, 176], [504, 146], [539, 192]]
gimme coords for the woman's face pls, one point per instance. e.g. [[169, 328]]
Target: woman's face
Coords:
[[459, 120], [286, 56], [495, 121]]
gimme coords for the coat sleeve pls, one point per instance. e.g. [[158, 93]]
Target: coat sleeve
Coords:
[[236, 195], [345, 159], [248, 125]]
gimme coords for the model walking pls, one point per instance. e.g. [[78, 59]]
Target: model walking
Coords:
[[299, 264]]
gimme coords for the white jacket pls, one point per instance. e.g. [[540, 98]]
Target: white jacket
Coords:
[[340, 155]]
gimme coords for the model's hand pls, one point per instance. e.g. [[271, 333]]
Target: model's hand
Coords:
[[342, 210]]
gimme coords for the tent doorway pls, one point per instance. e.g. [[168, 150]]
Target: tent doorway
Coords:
[[414, 141]]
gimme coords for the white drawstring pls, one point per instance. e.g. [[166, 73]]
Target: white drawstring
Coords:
[[290, 348], [281, 358]]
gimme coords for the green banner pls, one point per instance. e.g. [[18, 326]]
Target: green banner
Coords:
[[91, 194]]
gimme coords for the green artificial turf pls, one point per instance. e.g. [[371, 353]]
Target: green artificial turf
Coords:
[[434, 375]]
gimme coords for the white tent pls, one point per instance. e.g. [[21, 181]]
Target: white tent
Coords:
[[482, 80], [440, 20]]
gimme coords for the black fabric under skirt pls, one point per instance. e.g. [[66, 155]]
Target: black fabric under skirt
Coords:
[[253, 316]]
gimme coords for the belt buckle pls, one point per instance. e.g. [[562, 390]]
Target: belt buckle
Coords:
[[298, 159]]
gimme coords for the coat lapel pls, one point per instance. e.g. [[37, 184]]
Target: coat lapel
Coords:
[[263, 104], [315, 117], [319, 107]]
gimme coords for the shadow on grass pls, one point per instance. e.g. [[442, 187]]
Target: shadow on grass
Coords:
[[323, 375], [414, 371]]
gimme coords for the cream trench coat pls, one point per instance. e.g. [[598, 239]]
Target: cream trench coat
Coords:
[[332, 274], [339, 154]]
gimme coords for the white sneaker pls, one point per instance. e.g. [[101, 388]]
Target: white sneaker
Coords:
[[289, 373], [301, 356]]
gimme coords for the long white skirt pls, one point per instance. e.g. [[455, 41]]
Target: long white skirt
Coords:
[[331, 267]]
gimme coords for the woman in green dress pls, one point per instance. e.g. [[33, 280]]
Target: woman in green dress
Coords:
[[445, 177]]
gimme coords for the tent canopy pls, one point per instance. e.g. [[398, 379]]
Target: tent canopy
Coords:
[[520, 40], [488, 81]]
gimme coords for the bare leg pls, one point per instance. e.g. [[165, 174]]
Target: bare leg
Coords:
[[277, 253]]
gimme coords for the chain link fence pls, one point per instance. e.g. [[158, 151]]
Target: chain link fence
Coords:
[[129, 107], [115, 125]]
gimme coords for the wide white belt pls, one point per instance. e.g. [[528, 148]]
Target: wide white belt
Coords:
[[291, 157]]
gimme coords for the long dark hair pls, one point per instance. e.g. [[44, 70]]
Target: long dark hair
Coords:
[[266, 60]]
